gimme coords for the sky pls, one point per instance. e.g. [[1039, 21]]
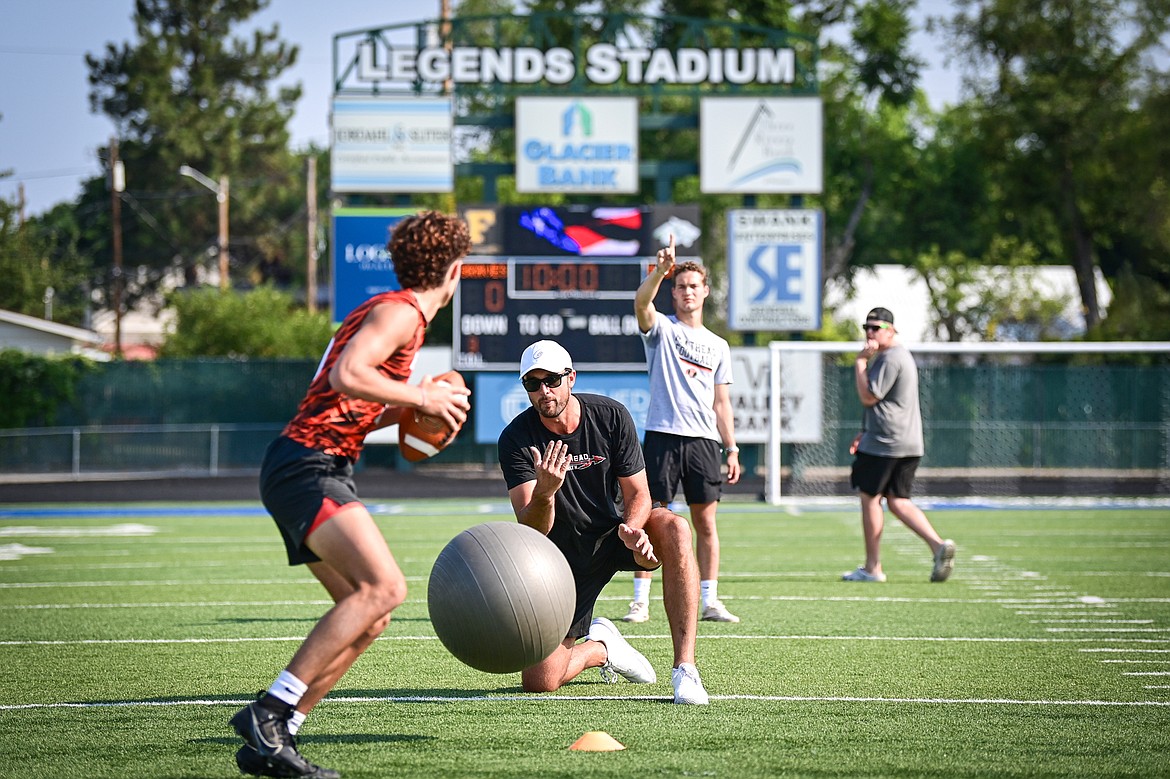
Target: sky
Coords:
[[49, 138]]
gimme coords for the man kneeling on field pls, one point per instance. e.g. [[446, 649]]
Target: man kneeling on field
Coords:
[[570, 461]]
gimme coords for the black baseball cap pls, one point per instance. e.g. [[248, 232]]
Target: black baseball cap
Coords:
[[880, 315]]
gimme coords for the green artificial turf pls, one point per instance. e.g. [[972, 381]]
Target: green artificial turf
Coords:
[[129, 635]]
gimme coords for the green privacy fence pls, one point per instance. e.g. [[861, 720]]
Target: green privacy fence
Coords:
[[218, 415], [209, 415], [1020, 416]]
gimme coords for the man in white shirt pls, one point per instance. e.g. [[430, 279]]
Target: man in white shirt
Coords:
[[689, 419]]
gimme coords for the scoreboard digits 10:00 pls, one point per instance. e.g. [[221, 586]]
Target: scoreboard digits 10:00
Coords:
[[587, 305]]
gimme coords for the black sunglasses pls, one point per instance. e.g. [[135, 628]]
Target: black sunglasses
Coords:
[[879, 326], [552, 382]]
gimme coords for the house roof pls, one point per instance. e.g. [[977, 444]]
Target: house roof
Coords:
[[53, 328]]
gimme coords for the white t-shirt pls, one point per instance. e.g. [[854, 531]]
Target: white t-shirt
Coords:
[[685, 364]]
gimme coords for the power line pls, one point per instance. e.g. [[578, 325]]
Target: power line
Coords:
[[51, 174]]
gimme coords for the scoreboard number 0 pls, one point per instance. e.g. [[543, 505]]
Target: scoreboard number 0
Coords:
[[495, 296]]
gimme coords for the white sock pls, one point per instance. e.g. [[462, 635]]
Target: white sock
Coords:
[[295, 721], [288, 688], [709, 591], [642, 589]]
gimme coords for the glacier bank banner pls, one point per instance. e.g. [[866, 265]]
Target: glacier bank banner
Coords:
[[577, 144]]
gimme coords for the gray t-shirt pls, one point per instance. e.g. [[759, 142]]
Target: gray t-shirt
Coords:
[[685, 364], [893, 426]]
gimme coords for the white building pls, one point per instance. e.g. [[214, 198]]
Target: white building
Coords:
[[40, 336], [902, 291]]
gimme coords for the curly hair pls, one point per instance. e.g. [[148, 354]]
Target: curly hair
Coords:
[[691, 266], [423, 247]]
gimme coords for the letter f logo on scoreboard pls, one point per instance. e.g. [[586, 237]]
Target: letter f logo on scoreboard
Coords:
[[779, 269]]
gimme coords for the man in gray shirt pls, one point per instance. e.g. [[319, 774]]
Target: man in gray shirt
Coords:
[[889, 447]]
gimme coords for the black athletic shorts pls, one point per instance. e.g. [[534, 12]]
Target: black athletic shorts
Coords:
[[300, 487], [889, 476], [695, 462], [610, 557]]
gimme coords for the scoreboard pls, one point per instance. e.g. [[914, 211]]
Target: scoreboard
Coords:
[[585, 304]]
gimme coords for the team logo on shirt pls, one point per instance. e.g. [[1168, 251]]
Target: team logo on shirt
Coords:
[[582, 461], [696, 358]]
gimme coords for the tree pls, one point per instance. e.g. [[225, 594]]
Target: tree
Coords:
[[187, 92], [263, 322], [43, 273], [995, 297], [36, 387], [1054, 81]]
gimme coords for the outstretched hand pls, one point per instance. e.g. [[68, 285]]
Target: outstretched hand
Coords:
[[551, 465], [636, 540]]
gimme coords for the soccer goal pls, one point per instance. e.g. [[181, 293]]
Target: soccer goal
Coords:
[[1000, 419]]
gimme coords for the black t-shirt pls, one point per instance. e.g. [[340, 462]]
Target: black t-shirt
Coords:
[[604, 447]]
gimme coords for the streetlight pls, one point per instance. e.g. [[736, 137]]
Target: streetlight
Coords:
[[221, 196]]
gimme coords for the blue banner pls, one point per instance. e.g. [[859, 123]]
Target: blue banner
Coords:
[[498, 398], [362, 267]]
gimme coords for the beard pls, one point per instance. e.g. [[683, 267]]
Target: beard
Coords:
[[551, 408]]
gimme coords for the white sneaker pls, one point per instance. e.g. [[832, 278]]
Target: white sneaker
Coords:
[[862, 575], [717, 612], [639, 612], [688, 688], [621, 658], [944, 561]]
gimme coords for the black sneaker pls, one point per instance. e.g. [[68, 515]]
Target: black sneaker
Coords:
[[252, 762], [266, 732]]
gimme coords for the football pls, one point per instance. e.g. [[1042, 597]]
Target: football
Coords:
[[421, 435]]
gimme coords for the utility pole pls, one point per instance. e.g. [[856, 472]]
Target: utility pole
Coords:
[[222, 196], [311, 237], [117, 186], [445, 32]]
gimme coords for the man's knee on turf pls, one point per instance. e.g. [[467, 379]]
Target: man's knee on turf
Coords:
[[670, 534]]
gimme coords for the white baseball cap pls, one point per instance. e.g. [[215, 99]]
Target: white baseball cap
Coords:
[[545, 355]]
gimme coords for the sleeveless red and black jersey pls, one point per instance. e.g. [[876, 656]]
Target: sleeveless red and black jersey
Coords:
[[333, 422]]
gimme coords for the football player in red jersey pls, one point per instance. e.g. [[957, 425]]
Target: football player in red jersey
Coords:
[[306, 482]]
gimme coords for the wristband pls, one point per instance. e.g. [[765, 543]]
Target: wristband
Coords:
[[731, 449]]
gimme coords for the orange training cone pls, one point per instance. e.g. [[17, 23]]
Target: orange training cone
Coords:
[[597, 741]]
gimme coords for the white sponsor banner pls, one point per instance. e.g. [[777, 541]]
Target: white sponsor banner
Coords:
[[761, 145], [391, 144], [800, 396], [774, 260], [576, 144]]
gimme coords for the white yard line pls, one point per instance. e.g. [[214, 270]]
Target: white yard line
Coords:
[[547, 699], [634, 638], [1093, 621], [169, 605]]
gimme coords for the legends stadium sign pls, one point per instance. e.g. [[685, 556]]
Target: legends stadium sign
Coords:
[[604, 63]]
